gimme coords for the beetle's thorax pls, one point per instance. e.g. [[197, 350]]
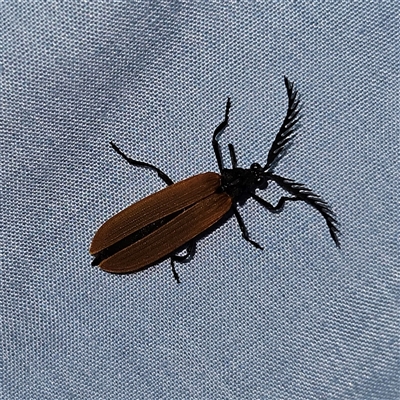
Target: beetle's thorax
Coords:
[[239, 183]]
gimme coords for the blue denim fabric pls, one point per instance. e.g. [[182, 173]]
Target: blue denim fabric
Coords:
[[299, 320]]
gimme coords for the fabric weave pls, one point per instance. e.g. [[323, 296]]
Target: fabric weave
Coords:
[[299, 320]]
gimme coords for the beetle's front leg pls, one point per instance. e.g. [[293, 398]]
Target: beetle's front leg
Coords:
[[217, 134], [233, 155], [279, 207]]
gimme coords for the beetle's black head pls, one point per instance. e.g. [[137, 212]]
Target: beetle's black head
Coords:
[[240, 183]]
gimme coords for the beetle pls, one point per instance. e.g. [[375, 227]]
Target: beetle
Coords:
[[170, 221]]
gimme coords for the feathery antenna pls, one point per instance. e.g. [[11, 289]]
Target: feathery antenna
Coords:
[[287, 130]]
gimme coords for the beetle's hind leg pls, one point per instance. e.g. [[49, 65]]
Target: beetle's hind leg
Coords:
[[190, 252], [142, 164]]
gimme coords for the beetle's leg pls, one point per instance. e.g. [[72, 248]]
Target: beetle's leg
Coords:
[[217, 134], [278, 207], [136, 163], [176, 276], [243, 228], [190, 252], [233, 155]]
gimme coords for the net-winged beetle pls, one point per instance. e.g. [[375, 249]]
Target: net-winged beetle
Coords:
[[173, 218]]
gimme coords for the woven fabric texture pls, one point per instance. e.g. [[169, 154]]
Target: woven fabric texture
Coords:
[[299, 320]]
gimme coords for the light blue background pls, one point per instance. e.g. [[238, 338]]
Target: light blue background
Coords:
[[299, 320]]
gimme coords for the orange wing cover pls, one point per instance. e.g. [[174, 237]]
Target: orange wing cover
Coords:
[[202, 204]]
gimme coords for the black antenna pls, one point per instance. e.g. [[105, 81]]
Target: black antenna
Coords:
[[286, 133], [301, 192]]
